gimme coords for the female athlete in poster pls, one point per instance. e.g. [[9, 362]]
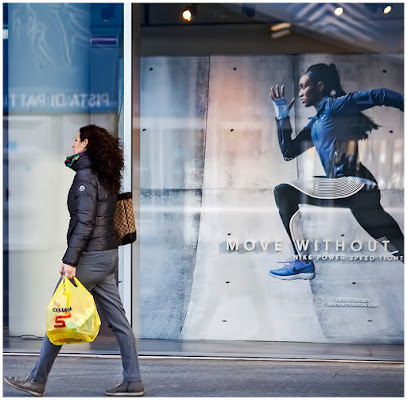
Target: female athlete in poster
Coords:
[[334, 132]]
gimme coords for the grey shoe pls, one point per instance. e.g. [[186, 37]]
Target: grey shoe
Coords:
[[26, 384], [127, 389]]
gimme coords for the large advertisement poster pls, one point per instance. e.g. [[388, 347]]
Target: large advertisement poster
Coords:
[[263, 229]]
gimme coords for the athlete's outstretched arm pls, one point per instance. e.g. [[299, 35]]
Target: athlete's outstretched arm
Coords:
[[290, 148], [359, 101]]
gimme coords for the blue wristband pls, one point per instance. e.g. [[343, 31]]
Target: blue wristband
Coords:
[[281, 108]]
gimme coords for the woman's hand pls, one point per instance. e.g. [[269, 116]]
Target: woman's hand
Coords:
[[281, 107], [67, 270]]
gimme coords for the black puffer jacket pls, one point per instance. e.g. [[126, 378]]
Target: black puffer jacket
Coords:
[[91, 208]]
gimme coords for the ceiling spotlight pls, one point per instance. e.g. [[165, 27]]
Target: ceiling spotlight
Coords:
[[339, 11], [280, 30], [189, 12], [280, 27], [387, 9], [187, 15]]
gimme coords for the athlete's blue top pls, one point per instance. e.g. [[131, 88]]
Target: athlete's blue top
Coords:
[[333, 133]]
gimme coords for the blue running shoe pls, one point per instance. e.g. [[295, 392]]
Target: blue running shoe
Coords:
[[295, 269]]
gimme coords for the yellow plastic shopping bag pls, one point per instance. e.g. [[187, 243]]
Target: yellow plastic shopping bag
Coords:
[[72, 316]]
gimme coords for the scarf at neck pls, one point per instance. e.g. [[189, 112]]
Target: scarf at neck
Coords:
[[71, 160]]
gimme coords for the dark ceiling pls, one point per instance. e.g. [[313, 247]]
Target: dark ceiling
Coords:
[[245, 28]]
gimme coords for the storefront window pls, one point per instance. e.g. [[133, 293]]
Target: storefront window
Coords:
[[208, 162], [63, 70], [214, 220]]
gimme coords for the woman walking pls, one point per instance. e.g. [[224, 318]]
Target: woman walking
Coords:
[[92, 254], [334, 132]]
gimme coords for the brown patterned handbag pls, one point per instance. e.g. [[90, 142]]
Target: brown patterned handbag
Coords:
[[124, 222]]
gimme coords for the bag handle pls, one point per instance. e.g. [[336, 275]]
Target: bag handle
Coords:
[[78, 283]]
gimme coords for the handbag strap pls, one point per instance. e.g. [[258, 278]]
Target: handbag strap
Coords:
[[124, 196]]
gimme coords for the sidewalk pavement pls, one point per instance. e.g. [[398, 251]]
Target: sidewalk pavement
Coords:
[[84, 376]]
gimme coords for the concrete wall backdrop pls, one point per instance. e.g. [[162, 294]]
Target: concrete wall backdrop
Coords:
[[174, 99], [209, 163]]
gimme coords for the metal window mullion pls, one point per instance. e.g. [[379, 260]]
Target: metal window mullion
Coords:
[[125, 253]]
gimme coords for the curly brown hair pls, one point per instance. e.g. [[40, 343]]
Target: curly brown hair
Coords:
[[106, 155]]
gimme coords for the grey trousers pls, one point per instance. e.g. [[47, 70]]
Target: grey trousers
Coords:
[[96, 271]]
